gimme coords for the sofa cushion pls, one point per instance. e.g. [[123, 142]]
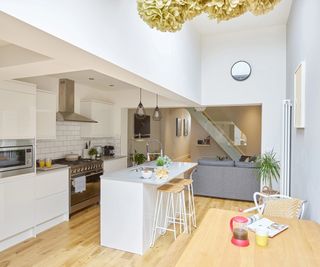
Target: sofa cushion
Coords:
[[241, 164], [215, 162]]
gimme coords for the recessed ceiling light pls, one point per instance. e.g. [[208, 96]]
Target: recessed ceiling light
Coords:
[[91, 78], [111, 85]]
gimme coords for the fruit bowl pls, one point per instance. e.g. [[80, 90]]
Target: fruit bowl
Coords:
[[161, 173]]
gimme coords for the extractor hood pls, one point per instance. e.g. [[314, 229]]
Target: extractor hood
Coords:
[[66, 103]]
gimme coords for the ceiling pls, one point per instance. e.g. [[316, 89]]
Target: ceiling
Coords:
[[100, 81], [248, 21]]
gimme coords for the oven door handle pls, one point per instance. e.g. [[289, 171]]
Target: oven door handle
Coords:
[[95, 173]]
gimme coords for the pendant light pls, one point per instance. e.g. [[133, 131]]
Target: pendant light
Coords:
[[156, 114], [140, 112]]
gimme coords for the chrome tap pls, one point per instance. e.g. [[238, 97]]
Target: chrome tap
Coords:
[[148, 147]]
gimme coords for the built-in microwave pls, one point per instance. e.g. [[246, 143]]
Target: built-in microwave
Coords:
[[16, 157]]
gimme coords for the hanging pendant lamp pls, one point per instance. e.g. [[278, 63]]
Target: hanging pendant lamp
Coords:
[[140, 112], [156, 114]]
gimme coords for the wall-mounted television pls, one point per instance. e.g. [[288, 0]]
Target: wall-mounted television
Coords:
[[141, 126]]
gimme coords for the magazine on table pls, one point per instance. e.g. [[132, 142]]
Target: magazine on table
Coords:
[[273, 228]]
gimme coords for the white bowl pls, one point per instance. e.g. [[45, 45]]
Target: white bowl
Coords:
[[146, 174]]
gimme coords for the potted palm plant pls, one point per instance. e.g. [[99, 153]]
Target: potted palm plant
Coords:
[[269, 168]]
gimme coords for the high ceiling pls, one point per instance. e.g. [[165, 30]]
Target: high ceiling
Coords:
[[95, 79], [278, 16]]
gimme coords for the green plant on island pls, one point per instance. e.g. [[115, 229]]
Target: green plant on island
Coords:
[[269, 168], [139, 158], [163, 161]]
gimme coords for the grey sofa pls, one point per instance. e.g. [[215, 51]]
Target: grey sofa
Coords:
[[226, 179]]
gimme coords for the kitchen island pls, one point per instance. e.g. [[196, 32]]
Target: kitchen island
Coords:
[[128, 203]]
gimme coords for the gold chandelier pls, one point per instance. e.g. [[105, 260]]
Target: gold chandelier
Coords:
[[170, 15]]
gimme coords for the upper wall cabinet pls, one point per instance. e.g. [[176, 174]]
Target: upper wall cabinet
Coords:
[[100, 111], [17, 110], [46, 114]]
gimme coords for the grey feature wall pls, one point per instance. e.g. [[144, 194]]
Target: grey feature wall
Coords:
[[303, 44]]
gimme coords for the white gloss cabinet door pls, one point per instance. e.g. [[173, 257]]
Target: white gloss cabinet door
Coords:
[[46, 114], [100, 111], [17, 207], [2, 222], [52, 195], [17, 113]]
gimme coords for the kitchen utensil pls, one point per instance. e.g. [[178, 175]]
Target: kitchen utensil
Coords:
[[48, 163], [238, 226], [72, 157], [262, 237], [85, 153], [109, 151], [41, 163], [99, 151], [146, 174]]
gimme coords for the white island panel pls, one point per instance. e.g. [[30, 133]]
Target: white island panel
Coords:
[[122, 215]]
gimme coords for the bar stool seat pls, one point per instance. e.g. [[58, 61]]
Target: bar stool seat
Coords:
[[184, 182], [172, 192], [171, 188]]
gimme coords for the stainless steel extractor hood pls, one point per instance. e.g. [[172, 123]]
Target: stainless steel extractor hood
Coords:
[[66, 103]]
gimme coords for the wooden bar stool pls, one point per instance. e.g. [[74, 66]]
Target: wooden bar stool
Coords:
[[188, 185], [172, 192]]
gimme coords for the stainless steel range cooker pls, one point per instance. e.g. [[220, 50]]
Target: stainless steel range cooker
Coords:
[[90, 170]]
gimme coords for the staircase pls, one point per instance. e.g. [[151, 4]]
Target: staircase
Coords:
[[215, 130]]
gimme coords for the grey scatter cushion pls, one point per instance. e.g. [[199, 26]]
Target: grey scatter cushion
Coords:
[[215, 162]]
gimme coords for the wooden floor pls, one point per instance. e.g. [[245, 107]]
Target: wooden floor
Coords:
[[76, 243]]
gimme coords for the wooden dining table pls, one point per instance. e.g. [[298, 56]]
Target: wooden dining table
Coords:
[[211, 245]]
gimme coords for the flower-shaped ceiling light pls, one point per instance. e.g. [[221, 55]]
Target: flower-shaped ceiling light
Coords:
[[170, 15]]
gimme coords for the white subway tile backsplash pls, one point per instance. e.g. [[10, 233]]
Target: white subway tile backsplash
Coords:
[[69, 140]]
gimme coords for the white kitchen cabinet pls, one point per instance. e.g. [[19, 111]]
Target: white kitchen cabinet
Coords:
[[112, 165], [100, 111], [46, 114], [51, 198], [17, 110], [16, 205], [32, 203], [2, 210]]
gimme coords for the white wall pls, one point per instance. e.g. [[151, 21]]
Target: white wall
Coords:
[[265, 50], [113, 31], [69, 140], [303, 42]]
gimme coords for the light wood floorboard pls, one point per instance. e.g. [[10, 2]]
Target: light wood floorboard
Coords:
[[76, 243]]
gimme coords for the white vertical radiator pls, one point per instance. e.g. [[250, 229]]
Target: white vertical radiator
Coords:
[[286, 148]]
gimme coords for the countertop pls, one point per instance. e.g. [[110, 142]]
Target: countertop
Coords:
[[55, 167], [131, 175], [112, 157]]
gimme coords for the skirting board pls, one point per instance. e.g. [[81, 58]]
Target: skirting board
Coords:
[[51, 223], [16, 239], [32, 232]]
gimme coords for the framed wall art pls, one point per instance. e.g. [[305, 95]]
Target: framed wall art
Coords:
[[178, 127]]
